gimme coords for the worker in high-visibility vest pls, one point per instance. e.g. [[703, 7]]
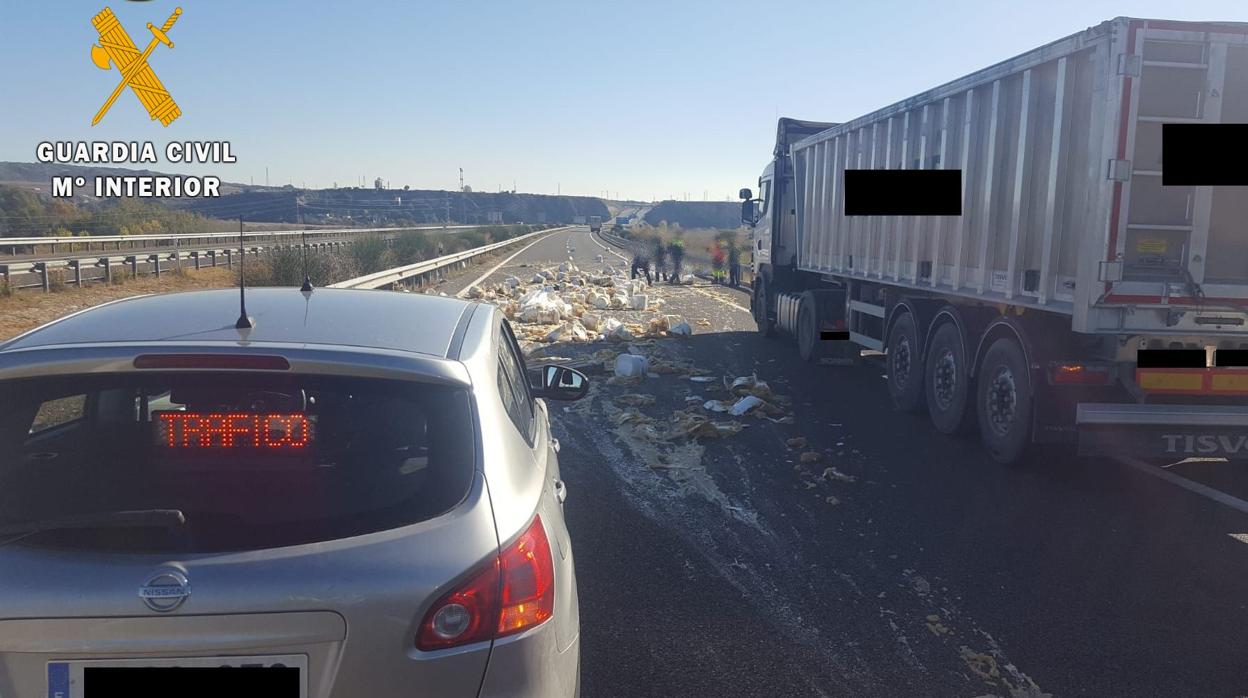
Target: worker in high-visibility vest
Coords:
[[717, 261]]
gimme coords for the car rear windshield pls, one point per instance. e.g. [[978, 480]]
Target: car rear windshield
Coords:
[[252, 460]]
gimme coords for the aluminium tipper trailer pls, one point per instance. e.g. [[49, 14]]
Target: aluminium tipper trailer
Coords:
[[1069, 257]]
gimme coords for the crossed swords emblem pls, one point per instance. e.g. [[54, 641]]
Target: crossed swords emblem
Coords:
[[116, 48]]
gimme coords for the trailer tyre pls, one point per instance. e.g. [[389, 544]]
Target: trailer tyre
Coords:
[[1004, 400], [905, 369], [948, 382]]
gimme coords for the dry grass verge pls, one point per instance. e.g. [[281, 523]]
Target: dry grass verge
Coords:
[[26, 309]]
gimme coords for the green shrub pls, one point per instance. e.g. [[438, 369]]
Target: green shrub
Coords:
[[370, 253], [413, 246]]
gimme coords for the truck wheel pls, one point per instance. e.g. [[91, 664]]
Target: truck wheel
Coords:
[[948, 382], [808, 343], [758, 305], [905, 370], [1004, 401]]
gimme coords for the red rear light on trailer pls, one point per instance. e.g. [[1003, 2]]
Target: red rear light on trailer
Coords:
[[510, 593], [1079, 373], [236, 362]]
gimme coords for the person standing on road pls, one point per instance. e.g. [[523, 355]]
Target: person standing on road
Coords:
[[717, 262], [734, 264], [676, 249], [641, 261], [660, 258]]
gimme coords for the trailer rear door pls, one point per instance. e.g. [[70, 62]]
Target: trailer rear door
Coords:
[[1177, 243]]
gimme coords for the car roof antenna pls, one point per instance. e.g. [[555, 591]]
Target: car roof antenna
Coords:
[[244, 322], [307, 280]]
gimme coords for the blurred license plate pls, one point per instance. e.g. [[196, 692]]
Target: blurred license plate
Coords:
[[273, 676]]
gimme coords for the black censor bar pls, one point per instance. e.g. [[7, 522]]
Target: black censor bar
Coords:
[[903, 192], [1204, 155], [1170, 358]]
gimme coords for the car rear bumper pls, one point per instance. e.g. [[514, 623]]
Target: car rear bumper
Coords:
[[530, 665], [1163, 431]]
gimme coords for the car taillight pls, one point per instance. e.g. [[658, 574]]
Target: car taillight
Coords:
[[508, 594], [465, 615], [528, 588]]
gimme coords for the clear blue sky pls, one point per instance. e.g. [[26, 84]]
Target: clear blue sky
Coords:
[[640, 98]]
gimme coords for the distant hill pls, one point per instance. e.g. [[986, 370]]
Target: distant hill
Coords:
[[355, 206], [724, 215], [360, 206]]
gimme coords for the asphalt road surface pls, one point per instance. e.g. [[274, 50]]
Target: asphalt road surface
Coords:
[[900, 563]]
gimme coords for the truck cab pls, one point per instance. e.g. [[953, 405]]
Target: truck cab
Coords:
[[772, 217], [756, 212]]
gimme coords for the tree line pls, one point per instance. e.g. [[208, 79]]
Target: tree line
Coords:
[[25, 214]]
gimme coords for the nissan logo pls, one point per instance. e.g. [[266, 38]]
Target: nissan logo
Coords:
[[165, 590]]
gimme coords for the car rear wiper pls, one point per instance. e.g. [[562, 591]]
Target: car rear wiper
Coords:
[[141, 518]]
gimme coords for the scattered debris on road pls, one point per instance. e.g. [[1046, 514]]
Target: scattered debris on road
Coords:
[[564, 303], [834, 474]]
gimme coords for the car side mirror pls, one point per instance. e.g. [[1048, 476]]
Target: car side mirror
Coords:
[[561, 383], [745, 194]]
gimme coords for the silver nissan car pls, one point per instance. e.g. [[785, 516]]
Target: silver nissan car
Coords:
[[336, 493]]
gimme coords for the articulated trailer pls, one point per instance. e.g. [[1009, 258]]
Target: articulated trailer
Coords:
[[1076, 298]]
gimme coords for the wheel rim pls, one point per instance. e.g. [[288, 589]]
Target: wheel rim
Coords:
[[945, 379], [900, 369], [1002, 401]]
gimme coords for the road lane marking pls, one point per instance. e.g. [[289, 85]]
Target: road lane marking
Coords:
[[1190, 485], [496, 267], [608, 249], [725, 301]]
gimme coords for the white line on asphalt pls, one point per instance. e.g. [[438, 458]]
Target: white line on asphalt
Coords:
[[1189, 485], [725, 301], [608, 249], [500, 264]]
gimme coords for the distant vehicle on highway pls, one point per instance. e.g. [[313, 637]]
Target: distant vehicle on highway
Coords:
[[360, 494], [595, 224], [1077, 296]]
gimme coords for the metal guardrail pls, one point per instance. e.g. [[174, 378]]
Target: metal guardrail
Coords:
[[388, 277], [80, 268], [86, 269], [175, 238]]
